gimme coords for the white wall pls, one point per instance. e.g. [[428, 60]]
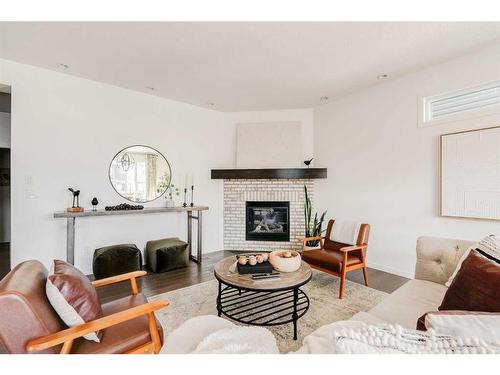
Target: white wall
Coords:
[[383, 169], [66, 130], [304, 116]]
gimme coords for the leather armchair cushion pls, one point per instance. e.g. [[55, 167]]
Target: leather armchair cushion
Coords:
[[122, 337], [331, 260], [25, 312]]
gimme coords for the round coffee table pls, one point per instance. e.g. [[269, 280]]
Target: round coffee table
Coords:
[[266, 302]]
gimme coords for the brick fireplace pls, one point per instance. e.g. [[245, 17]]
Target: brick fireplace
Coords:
[[238, 193]]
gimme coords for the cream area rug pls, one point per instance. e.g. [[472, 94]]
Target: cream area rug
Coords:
[[325, 306]]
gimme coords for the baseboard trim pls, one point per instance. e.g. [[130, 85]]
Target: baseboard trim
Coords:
[[394, 271]]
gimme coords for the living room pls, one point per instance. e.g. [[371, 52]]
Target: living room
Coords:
[[250, 187]]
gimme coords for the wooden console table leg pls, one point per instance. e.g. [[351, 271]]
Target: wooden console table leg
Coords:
[[70, 240], [190, 233], [200, 231], [197, 258]]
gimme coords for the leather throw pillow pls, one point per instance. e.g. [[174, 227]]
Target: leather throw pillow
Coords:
[[476, 287], [73, 296]]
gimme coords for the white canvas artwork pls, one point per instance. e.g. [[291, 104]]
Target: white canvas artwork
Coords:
[[470, 174]]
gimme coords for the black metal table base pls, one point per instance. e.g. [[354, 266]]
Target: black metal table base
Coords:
[[262, 308]]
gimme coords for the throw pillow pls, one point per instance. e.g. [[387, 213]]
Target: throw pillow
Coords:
[[476, 286], [73, 296], [465, 324], [489, 246]]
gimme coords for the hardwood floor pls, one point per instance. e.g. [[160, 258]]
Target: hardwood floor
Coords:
[[157, 283]]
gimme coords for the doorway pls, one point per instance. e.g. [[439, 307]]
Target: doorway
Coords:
[[5, 185]]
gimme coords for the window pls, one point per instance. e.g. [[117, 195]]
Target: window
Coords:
[[460, 101]]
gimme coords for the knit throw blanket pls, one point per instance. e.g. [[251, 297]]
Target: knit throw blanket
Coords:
[[490, 246], [387, 338]]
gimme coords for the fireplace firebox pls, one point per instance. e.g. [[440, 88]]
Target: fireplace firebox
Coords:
[[268, 221]]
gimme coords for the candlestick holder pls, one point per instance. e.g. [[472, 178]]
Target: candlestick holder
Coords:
[[185, 194], [192, 195]]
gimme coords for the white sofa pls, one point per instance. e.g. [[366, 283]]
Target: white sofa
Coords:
[[437, 258]]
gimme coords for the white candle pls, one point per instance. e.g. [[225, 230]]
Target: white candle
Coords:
[[186, 181]]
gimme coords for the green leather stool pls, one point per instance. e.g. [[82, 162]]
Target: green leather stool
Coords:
[[114, 260], [167, 254]]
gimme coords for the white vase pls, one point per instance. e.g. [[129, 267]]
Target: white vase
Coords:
[[169, 203]]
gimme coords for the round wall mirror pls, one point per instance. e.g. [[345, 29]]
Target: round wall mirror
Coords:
[[140, 173]]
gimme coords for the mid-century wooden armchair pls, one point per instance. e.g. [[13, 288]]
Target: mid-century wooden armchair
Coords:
[[29, 324], [338, 258]]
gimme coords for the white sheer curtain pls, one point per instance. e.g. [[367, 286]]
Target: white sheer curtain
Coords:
[[151, 160]]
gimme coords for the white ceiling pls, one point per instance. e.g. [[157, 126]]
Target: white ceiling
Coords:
[[241, 66]]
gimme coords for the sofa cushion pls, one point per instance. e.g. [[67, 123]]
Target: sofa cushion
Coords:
[[437, 257], [366, 317], [122, 337], [476, 287], [73, 296], [405, 305]]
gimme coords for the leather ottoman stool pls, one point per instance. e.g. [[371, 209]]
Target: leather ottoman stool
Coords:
[[115, 260], [167, 254]]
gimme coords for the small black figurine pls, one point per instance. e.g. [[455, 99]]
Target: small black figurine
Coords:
[[308, 162], [94, 202], [76, 194]]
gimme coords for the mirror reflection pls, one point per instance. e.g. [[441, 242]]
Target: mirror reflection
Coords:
[[140, 173]]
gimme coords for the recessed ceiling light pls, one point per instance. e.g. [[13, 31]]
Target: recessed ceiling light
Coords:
[[382, 76], [62, 65], [150, 88], [323, 99]]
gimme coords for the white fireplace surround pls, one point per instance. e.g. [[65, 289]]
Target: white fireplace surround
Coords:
[[239, 191]]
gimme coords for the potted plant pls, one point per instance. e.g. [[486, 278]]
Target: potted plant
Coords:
[[169, 196], [314, 227], [170, 190]]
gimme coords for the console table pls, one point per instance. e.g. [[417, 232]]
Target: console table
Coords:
[[71, 218]]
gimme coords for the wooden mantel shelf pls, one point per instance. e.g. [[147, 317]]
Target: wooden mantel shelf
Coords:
[[145, 210], [264, 173]]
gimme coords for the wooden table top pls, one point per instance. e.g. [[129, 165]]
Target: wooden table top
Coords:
[[287, 280]]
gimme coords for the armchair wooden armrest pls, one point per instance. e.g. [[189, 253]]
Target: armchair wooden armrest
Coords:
[[315, 238], [119, 278], [346, 249], [67, 336]]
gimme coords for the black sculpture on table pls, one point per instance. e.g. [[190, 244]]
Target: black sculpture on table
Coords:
[[76, 194], [308, 162], [94, 203]]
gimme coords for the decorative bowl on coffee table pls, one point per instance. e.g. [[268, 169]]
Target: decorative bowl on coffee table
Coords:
[[285, 260]]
